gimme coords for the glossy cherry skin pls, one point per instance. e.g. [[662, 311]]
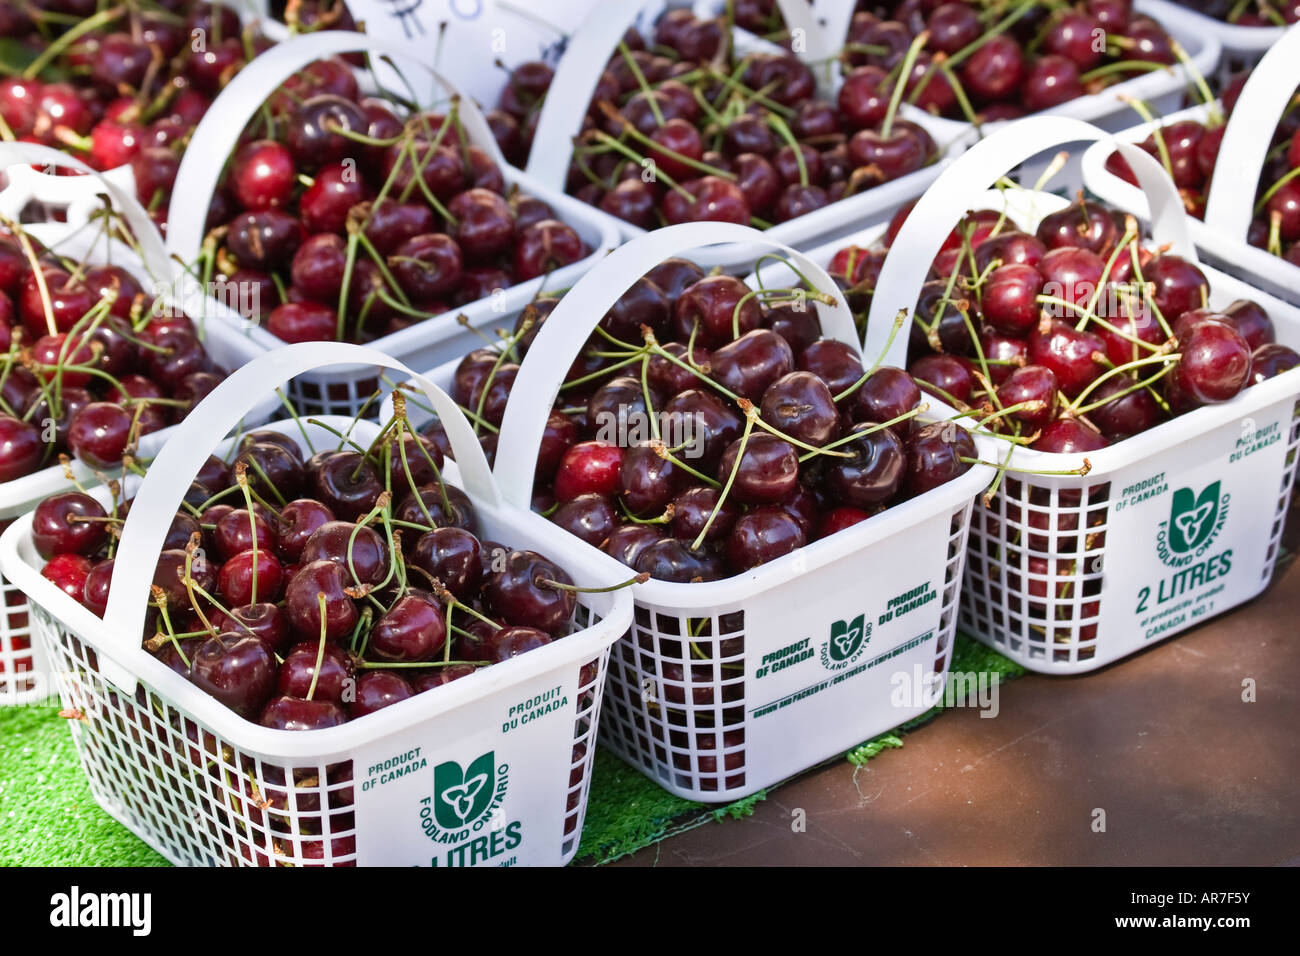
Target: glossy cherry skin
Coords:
[[762, 535], [376, 690], [1123, 415], [519, 592], [722, 309], [264, 621], [1051, 81], [1271, 360], [360, 550], [766, 469], [413, 629], [875, 471], [995, 70], [888, 394], [21, 448], [1068, 353], [1069, 436], [590, 467], [299, 668], [58, 528], [1251, 322], [292, 713], [1032, 383], [672, 559], [238, 670], [240, 584], [1179, 285], [345, 483], [316, 130], [626, 542], [836, 363], [296, 523], [303, 607], [262, 175], [1215, 363], [451, 555], [69, 573], [935, 456], [952, 378], [99, 433], [800, 405], [1009, 298], [751, 363]]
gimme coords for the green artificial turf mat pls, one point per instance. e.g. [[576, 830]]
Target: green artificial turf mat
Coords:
[[48, 817]]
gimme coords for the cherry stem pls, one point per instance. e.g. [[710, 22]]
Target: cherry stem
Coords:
[[662, 451], [900, 83], [320, 647], [1077, 407], [641, 578], [899, 319], [731, 479], [871, 430], [641, 82]]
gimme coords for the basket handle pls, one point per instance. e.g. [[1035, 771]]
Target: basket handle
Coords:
[[1229, 207], [216, 134], [585, 55], [164, 485], [571, 323], [79, 196], [937, 213]]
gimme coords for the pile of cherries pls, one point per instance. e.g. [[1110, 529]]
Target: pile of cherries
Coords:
[[688, 131], [772, 436], [1076, 336], [1254, 13], [123, 84], [986, 60], [94, 369], [303, 590], [351, 223], [1189, 151]]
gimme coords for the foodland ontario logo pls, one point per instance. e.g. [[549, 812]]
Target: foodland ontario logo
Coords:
[[462, 796], [1194, 522], [847, 640]]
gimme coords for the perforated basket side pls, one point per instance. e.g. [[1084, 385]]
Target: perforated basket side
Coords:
[[23, 670], [200, 800], [678, 707]]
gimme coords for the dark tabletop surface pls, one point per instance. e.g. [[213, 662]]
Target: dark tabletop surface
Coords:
[[1186, 772]]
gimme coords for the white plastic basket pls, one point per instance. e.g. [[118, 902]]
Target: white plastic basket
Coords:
[[80, 237], [565, 107], [1231, 200], [1067, 574], [1242, 46], [203, 786], [345, 390], [826, 23], [708, 717]]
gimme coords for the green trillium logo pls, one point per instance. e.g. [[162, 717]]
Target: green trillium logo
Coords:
[[845, 643], [846, 638], [461, 796], [1193, 518]]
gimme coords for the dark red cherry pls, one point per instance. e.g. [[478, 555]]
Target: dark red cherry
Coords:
[[299, 670], [766, 469], [588, 517], [413, 629], [292, 713], [302, 604], [936, 454], [801, 405], [874, 471], [524, 592], [673, 560], [237, 669], [762, 535], [376, 690], [1031, 384], [1068, 353], [69, 522], [1069, 436], [1215, 363]]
